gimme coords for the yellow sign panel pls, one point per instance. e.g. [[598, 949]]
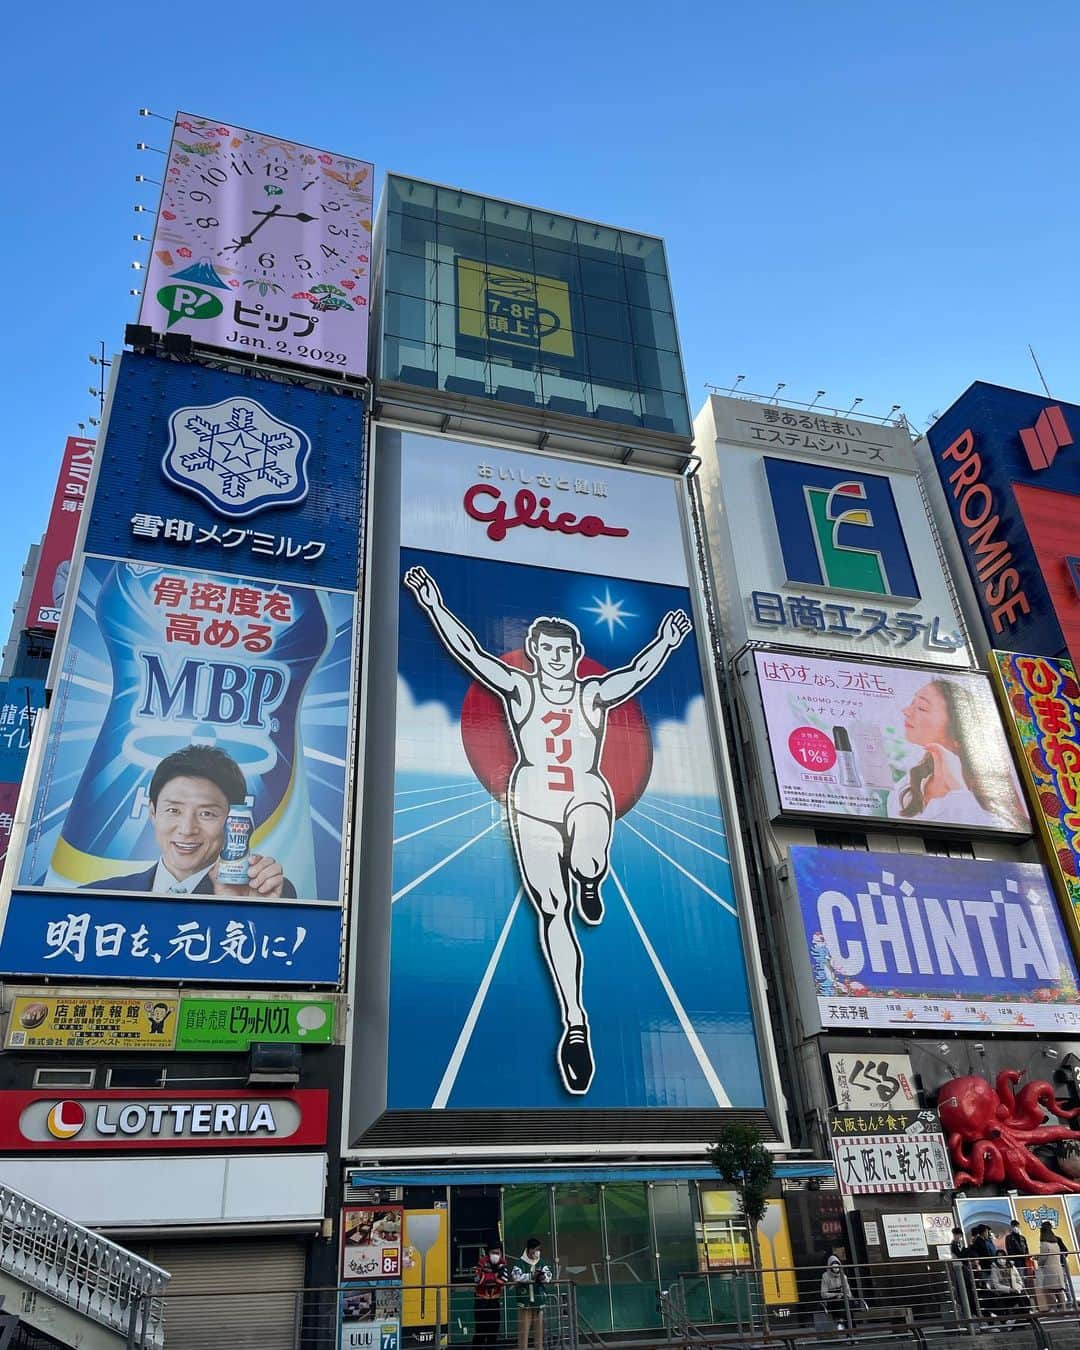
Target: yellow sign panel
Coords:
[[425, 1272], [519, 309], [99, 1023]]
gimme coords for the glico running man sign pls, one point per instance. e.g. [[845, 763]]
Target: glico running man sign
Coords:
[[560, 837]]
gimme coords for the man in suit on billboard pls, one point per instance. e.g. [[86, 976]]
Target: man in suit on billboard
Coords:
[[190, 795], [559, 805]]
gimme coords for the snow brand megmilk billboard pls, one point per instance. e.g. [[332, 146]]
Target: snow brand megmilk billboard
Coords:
[[896, 940], [560, 837], [197, 747]]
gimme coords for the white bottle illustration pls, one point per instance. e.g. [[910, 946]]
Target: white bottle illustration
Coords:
[[871, 755], [847, 771]]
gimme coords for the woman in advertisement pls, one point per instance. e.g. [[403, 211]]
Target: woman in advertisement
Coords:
[[948, 784]]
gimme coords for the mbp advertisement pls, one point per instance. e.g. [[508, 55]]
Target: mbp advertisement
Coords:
[[900, 941], [197, 750], [559, 834], [888, 743], [262, 245]]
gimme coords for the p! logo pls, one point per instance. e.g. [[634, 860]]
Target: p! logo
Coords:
[[839, 530], [65, 1120]]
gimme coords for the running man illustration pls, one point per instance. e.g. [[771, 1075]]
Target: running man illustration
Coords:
[[559, 806]]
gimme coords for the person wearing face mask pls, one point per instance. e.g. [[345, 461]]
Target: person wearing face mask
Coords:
[[947, 784], [492, 1275]]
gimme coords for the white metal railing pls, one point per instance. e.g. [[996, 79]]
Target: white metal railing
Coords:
[[81, 1269]]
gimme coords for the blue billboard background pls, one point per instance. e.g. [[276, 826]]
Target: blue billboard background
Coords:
[[254, 477], [19, 702], [995, 416], [168, 939], [474, 1020]]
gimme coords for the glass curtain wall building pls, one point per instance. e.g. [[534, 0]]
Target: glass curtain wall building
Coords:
[[496, 301]]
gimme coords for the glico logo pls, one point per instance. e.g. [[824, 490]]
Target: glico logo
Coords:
[[65, 1120], [839, 529]]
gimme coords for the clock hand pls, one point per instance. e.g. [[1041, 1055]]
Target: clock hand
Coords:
[[285, 215], [247, 238]]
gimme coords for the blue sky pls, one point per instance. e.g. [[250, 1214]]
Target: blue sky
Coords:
[[877, 201]]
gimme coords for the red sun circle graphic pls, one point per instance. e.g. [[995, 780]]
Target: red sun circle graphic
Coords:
[[625, 761]]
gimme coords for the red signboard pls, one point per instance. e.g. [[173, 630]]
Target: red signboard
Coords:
[[9, 795], [1052, 520], [162, 1119], [57, 547]]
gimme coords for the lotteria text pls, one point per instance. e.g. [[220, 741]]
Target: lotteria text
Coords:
[[193, 1118]]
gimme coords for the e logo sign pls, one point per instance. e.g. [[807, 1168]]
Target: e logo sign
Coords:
[[839, 530]]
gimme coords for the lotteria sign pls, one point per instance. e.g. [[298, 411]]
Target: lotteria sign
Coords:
[[159, 1120]]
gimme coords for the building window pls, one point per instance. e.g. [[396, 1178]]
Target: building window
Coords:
[[849, 839], [83, 1078], [948, 848], [136, 1076]]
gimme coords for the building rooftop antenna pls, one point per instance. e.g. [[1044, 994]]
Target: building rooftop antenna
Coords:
[[1042, 378]]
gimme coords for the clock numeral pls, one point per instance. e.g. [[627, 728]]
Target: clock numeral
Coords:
[[214, 177], [242, 167], [207, 222], [266, 261], [329, 252], [331, 206], [301, 262], [199, 197], [336, 229], [278, 171], [312, 182]]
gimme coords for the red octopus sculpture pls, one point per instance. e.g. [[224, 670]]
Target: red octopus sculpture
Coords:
[[991, 1134]]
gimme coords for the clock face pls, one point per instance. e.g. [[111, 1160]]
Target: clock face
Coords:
[[262, 244]]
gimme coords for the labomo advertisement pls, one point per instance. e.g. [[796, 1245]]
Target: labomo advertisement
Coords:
[[897, 940], [888, 742]]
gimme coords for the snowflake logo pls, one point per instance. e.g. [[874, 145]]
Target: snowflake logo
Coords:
[[237, 457]]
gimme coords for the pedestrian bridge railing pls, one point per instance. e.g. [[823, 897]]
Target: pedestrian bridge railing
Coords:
[[81, 1269]]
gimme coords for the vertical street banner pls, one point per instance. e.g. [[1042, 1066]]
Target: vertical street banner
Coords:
[[560, 838], [1041, 701], [197, 751], [58, 545], [264, 246]]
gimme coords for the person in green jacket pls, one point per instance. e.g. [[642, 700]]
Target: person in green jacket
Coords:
[[530, 1275]]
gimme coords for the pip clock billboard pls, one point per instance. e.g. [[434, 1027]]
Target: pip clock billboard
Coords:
[[262, 245], [562, 837]]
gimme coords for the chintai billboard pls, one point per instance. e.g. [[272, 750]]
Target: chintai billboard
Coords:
[[902, 941], [561, 854]]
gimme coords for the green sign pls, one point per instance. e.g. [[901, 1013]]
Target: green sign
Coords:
[[234, 1023]]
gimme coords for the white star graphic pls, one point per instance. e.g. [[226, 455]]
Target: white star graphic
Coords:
[[609, 611]]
